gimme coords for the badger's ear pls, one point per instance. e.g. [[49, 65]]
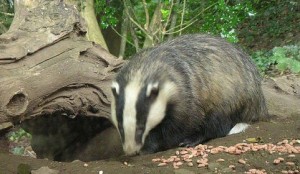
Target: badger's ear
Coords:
[[115, 88], [152, 89]]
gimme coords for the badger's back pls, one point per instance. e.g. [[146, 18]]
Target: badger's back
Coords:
[[217, 86]]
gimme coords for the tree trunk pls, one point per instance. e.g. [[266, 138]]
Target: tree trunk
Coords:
[[53, 79], [94, 31]]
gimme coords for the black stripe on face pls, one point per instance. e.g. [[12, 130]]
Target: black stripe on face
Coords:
[[120, 102], [143, 106]]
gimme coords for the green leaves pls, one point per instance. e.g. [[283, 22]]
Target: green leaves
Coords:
[[107, 13], [224, 18], [17, 135], [283, 58]]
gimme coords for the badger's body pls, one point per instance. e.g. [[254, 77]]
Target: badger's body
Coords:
[[184, 92]]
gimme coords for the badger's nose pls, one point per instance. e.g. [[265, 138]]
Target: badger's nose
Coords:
[[131, 150], [133, 153]]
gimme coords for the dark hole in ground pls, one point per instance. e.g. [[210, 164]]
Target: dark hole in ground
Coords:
[[61, 138]]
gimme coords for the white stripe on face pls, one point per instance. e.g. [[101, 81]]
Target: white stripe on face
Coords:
[[116, 86], [132, 91], [158, 108]]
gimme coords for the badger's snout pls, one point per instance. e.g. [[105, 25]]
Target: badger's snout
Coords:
[[131, 149]]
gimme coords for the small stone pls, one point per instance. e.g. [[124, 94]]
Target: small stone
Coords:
[[201, 165], [241, 161], [190, 164], [220, 160], [183, 171], [276, 161], [45, 170], [290, 163], [232, 167]]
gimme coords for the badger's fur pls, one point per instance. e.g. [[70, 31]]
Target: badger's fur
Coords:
[[184, 92]]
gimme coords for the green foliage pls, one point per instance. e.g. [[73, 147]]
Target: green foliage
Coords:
[[224, 19], [286, 58], [17, 135], [18, 150], [276, 23], [218, 17], [106, 12], [6, 14]]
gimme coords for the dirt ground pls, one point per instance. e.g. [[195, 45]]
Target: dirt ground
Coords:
[[283, 98]]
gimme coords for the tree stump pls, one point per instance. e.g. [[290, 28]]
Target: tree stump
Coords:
[[55, 82]]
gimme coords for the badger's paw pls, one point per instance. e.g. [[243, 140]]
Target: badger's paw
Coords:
[[191, 142]]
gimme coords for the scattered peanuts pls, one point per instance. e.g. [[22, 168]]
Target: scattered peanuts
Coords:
[[200, 153], [256, 171]]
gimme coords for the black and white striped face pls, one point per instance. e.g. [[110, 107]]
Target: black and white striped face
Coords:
[[136, 109]]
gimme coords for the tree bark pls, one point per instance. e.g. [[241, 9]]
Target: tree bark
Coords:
[[48, 68], [93, 30]]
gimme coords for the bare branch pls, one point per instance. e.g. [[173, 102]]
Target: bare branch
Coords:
[[135, 22], [146, 14], [119, 34], [124, 31], [169, 17], [7, 14], [182, 16], [188, 23], [135, 38]]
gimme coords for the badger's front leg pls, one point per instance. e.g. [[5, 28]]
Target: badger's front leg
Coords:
[[214, 125], [193, 140], [153, 143]]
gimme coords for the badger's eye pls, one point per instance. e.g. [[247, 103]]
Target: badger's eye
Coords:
[[152, 90]]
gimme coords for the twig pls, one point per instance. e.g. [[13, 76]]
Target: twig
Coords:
[[146, 14], [7, 14], [182, 16]]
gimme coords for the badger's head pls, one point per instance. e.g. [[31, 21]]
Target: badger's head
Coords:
[[137, 107]]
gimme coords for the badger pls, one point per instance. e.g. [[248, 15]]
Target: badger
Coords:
[[185, 92]]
